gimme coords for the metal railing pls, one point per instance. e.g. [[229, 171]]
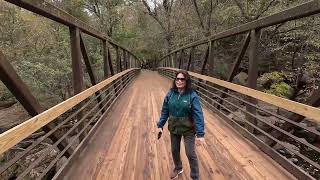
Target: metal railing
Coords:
[[232, 110], [222, 99], [78, 123], [50, 130]]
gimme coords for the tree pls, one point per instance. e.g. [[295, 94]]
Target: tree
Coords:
[[205, 16], [162, 14], [107, 13]]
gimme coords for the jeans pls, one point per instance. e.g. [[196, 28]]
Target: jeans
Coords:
[[189, 143]]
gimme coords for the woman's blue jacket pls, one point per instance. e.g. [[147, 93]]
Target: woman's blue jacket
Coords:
[[196, 112]]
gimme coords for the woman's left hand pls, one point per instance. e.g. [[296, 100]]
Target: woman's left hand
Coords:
[[200, 141]]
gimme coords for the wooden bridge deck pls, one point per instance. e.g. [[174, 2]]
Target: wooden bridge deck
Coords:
[[126, 147]]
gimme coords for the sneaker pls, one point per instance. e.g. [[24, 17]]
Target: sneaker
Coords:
[[175, 173]]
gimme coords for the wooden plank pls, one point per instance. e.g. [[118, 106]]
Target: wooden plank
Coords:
[[136, 153], [243, 155], [296, 107], [14, 135]]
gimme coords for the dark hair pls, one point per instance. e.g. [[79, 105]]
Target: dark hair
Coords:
[[186, 75]]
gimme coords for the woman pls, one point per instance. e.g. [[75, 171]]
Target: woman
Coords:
[[183, 109]]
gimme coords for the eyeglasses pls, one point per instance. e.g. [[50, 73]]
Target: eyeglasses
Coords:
[[181, 79]]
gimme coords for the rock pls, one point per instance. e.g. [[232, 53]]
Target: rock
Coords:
[[34, 173], [265, 139], [241, 79], [308, 122], [238, 116], [234, 101], [294, 160], [12, 116], [308, 136], [284, 113], [284, 150], [61, 162], [267, 107], [272, 120], [74, 144], [239, 95]]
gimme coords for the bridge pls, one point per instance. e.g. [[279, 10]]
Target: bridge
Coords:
[[112, 123]]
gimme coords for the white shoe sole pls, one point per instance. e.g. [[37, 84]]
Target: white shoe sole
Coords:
[[178, 174]]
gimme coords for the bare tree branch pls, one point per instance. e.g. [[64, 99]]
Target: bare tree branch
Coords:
[[263, 10], [152, 14], [166, 24], [198, 13], [210, 16], [242, 11], [264, 6]]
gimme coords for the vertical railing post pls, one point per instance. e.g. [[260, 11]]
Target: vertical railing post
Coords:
[[86, 60], [211, 59], [203, 68], [110, 62], [175, 56], [135, 62], [118, 59], [205, 60], [253, 74], [125, 65], [106, 68], [77, 71], [129, 60], [191, 56], [236, 65], [92, 76], [107, 65], [240, 56], [181, 58]]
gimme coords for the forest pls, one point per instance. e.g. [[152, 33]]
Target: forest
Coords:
[[39, 48]]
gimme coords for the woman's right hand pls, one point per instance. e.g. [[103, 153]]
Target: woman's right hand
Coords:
[[159, 132]]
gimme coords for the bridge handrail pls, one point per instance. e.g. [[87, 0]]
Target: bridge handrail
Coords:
[[262, 124], [14, 135], [295, 107]]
